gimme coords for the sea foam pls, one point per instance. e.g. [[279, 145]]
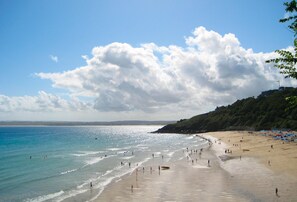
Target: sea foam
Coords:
[[45, 197]]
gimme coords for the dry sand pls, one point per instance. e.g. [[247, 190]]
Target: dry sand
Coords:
[[249, 178], [281, 155]]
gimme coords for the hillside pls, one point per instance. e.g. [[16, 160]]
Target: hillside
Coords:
[[268, 110]]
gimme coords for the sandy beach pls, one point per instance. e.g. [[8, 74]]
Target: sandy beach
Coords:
[[242, 167]]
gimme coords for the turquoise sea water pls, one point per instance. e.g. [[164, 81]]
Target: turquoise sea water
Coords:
[[58, 163]]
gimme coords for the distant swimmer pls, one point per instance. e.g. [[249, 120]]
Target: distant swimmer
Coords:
[[208, 163], [129, 164], [30, 157], [91, 184]]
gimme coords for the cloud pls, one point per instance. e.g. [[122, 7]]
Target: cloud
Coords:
[[54, 58], [154, 81], [121, 78], [211, 70], [43, 102]]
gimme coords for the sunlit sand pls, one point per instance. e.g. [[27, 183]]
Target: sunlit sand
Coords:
[[246, 176]]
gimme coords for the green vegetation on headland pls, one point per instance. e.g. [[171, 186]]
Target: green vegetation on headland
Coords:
[[267, 111]]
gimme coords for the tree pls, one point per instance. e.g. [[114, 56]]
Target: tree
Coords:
[[287, 61], [291, 10]]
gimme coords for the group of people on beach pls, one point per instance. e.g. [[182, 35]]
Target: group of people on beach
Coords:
[[239, 145], [167, 167]]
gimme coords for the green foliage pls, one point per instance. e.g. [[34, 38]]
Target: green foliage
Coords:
[[292, 101], [267, 111], [291, 8], [287, 60]]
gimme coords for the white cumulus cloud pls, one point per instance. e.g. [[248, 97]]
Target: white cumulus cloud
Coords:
[[150, 80], [211, 70], [43, 102]]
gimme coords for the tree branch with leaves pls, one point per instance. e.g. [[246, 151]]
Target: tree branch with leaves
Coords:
[[287, 60]]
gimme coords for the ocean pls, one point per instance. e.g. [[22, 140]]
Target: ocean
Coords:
[[59, 163]]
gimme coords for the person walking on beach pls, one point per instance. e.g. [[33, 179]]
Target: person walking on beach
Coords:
[[276, 192], [208, 163]]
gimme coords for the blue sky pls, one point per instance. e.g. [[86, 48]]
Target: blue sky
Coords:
[[51, 36]]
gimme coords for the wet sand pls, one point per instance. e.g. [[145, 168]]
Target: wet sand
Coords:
[[248, 178]]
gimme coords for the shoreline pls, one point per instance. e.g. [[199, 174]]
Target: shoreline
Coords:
[[243, 177], [181, 182]]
